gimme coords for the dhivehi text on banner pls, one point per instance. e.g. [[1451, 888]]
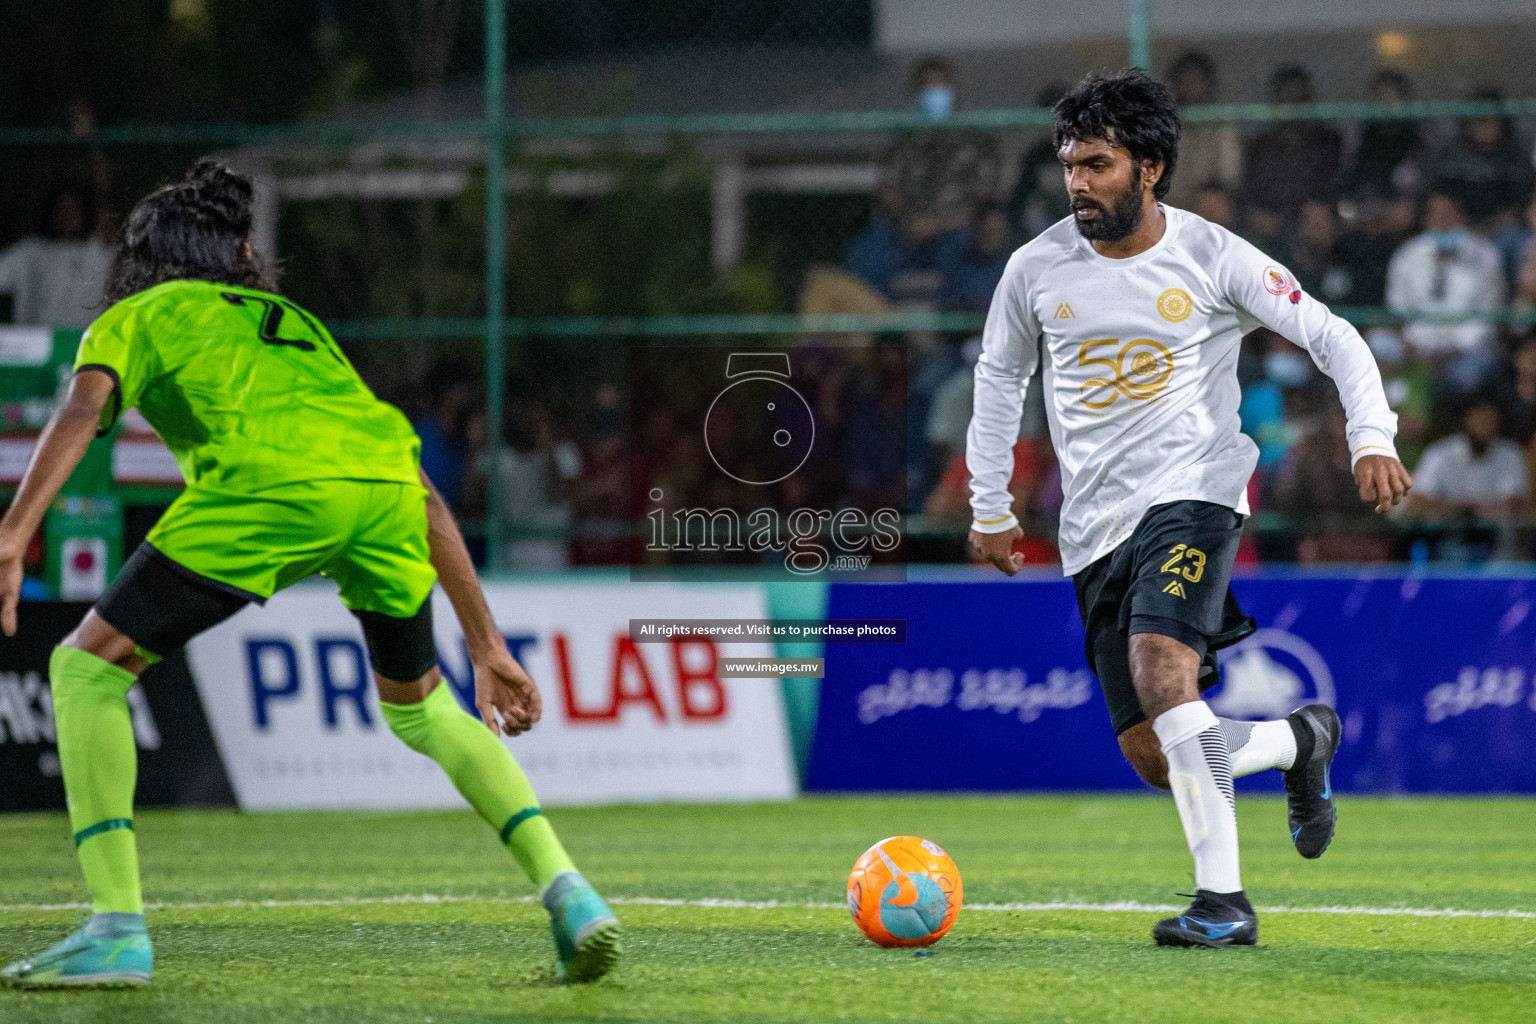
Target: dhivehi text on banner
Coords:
[[1434, 679]]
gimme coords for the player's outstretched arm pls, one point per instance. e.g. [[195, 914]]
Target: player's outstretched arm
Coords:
[[1270, 294], [502, 687], [59, 451]]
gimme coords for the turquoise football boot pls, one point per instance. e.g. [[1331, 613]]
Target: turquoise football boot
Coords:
[[112, 949], [585, 930]]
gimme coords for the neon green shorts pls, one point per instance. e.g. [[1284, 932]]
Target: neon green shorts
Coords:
[[369, 536]]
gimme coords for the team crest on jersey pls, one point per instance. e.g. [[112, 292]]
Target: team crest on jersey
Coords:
[[1275, 281], [1174, 305]]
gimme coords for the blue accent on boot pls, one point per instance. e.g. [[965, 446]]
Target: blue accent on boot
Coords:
[[1215, 921], [585, 931]]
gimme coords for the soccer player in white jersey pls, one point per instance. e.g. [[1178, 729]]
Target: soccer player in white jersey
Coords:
[[1136, 312]]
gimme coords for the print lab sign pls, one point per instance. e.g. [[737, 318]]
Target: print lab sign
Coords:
[[289, 696]]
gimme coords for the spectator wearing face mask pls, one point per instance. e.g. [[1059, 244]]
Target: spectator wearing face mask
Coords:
[[1448, 285], [940, 171]]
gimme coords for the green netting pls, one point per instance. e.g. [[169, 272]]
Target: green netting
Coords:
[[359, 131]]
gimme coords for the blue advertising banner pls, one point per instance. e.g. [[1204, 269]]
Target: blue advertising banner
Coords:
[[1434, 678]]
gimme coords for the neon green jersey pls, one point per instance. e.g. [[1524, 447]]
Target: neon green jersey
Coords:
[[248, 390]]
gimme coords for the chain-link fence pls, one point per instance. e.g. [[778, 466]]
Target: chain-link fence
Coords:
[[765, 176]]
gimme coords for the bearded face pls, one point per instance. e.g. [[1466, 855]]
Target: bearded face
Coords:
[[1117, 216]]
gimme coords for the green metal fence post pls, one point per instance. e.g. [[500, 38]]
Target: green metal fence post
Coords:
[[495, 266], [1141, 34]]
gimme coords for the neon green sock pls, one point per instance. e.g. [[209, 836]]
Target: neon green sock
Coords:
[[90, 710], [487, 775]]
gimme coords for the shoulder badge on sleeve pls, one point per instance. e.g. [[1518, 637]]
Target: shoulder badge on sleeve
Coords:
[[1275, 281]]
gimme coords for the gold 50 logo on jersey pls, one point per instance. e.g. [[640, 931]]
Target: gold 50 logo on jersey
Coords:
[[1139, 369]]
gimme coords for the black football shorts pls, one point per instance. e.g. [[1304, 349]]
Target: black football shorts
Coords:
[[1172, 576]]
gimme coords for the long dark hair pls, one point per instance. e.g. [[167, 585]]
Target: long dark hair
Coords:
[[1140, 112], [198, 228]]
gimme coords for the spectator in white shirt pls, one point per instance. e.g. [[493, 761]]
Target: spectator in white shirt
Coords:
[[1448, 285], [57, 279], [1475, 474]]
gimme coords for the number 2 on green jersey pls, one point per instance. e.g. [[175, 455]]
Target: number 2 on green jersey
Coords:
[[272, 322]]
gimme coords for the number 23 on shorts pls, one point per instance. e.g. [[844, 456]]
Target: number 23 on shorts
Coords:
[[1194, 557]]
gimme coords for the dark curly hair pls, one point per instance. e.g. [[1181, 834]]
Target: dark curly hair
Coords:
[[196, 229], [1140, 112]]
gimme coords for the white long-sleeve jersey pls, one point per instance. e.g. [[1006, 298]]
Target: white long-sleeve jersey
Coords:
[[1140, 375]]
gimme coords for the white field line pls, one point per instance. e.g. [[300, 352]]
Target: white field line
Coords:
[[1127, 906]]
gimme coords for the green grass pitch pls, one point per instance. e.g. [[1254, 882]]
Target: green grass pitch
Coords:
[[330, 917]]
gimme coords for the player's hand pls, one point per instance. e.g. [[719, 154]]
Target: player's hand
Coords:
[[503, 688], [997, 548], [11, 555], [1383, 480]]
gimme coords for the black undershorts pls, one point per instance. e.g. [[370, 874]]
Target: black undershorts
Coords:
[[1172, 577], [160, 604]]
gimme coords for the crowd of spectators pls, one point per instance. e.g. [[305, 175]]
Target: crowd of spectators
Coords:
[[1423, 238], [577, 489], [1420, 232]]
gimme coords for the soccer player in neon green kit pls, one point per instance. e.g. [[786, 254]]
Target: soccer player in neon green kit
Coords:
[[293, 469]]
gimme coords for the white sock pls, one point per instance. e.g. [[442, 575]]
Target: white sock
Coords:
[[1200, 775], [1257, 746]]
